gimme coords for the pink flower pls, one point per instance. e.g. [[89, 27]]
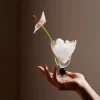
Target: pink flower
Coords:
[[40, 22]]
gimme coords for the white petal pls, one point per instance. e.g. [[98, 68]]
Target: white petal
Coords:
[[41, 22], [43, 19]]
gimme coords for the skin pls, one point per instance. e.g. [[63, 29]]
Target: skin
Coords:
[[76, 83]]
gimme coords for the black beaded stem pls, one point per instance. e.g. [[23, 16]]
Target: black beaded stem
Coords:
[[62, 71]]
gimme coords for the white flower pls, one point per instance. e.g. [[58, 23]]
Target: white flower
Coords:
[[41, 22], [63, 51]]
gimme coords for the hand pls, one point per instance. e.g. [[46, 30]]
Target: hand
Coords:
[[76, 81]]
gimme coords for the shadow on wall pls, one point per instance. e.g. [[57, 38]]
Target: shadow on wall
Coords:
[[9, 62]]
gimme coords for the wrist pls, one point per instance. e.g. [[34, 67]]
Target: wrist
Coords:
[[80, 84], [85, 91], [82, 90]]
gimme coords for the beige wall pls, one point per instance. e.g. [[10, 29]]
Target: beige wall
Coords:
[[67, 19], [9, 65]]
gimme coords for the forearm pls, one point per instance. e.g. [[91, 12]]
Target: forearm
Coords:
[[87, 93]]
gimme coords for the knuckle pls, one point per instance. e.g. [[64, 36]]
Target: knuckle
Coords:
[[80, 75]]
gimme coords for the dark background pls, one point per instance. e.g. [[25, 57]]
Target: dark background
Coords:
[[9, 50], [21, 51]]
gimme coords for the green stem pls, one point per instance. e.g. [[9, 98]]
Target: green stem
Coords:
[[47, 34], [56, 59]]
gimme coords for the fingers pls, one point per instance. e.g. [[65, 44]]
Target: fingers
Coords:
[[51, 77], [70, 74], [42, 70], [55, 74], [74, 75], [47, 74]]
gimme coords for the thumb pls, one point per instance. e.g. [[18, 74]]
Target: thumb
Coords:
[[70, 74]]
